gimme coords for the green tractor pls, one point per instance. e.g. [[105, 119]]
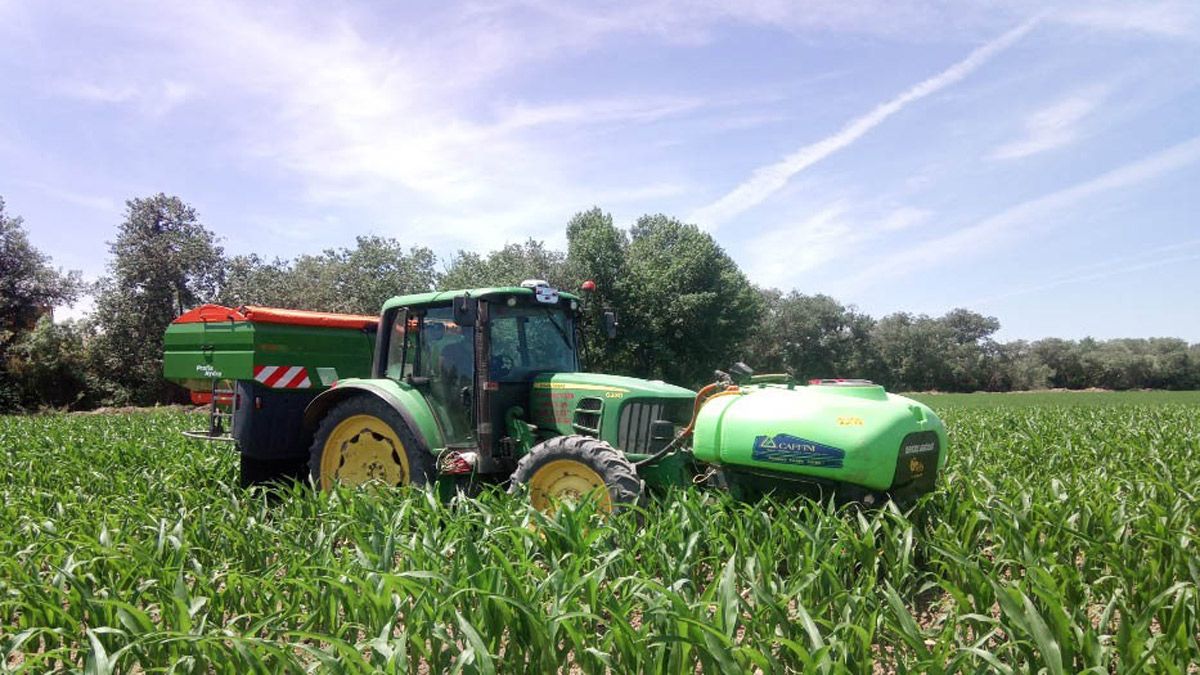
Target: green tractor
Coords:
[[485, 385]]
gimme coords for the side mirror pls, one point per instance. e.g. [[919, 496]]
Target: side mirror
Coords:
[[610, 323], [465, 311]]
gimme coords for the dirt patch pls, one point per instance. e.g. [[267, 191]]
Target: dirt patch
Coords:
[[132, 410]]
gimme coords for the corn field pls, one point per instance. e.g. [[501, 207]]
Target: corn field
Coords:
[[1062, 538]]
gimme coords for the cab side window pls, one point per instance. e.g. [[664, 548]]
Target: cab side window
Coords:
[[397, 367]]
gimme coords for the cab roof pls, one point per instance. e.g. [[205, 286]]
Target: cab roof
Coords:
[[435, 297]]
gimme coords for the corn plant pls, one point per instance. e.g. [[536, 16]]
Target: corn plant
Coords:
[[1062, 538]]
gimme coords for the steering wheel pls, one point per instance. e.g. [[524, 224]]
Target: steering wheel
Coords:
[[502, 364]]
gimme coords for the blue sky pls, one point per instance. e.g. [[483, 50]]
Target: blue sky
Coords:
[[1040, 163]]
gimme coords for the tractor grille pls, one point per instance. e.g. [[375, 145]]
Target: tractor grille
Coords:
[[633, 432], [635, 427]]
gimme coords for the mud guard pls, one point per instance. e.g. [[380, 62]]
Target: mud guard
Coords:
[[331, 397]]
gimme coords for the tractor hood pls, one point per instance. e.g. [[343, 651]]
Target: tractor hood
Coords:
[[609, 384], [614, 408], [855, 433]]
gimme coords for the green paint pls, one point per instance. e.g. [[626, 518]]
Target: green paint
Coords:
[[195, 353], [865, 424], [519, 430], [675, 469], [556, 397]]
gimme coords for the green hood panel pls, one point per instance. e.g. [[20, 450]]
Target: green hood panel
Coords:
[[610, 383], [590, 403], [850, 434]]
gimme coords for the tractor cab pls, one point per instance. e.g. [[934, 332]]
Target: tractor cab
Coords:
[[474, 356]]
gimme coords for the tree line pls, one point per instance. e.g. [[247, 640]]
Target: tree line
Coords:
[[684, 307]]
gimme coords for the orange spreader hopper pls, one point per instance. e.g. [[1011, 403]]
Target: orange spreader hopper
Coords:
[[287, 317]]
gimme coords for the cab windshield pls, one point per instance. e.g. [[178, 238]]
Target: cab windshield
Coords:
[[528, 340]]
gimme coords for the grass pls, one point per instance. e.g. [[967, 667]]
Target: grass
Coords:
[[1062, 538]]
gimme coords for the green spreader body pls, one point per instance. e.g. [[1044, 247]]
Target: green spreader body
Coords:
[[284, 349], [482, 378]]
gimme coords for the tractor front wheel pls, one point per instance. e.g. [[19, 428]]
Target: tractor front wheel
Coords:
[[364, 440], [570, 468]]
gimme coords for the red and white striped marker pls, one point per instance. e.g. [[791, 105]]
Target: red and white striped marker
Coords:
[[283, 377]]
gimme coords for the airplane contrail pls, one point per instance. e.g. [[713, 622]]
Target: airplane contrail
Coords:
[[769, 179]]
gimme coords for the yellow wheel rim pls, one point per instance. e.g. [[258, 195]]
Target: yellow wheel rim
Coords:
[[363, 449], [567, 480]]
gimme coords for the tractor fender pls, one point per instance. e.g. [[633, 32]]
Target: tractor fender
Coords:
[[409, 404]]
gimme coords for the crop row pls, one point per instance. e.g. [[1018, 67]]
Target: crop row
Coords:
[[1062, 539]]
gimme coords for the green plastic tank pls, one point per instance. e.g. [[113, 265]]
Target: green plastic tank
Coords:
[[849, 432]]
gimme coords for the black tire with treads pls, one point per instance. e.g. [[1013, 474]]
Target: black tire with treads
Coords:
[[618, 473]]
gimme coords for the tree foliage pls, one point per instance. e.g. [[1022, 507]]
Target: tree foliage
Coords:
[[164, 261], [29, 287], [49, 366], [812, 336], [353, 280], [508, 266], [596, 253], [684, 307]]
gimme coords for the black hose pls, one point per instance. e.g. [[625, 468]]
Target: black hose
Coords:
[[661, 453]]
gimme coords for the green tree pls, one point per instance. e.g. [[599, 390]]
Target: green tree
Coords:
[[969, 351], [49, 367], [1018, 368], [812, 336], [30, 288], [596, 253], [353, 280], [164, 262], [508, 266], [686, 308], [250, 280]]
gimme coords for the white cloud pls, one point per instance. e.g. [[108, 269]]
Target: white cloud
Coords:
[[154, 99], [94, 92], [1152, 258], [769, 179], [1170, 19], [80, 309], [903, 218], [97, 203], [1055, 125], [782, 254], [403, 131], [398, 121], [1014, 223]]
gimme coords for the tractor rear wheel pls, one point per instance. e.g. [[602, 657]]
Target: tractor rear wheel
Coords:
[[364, 440], [568, 468]]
